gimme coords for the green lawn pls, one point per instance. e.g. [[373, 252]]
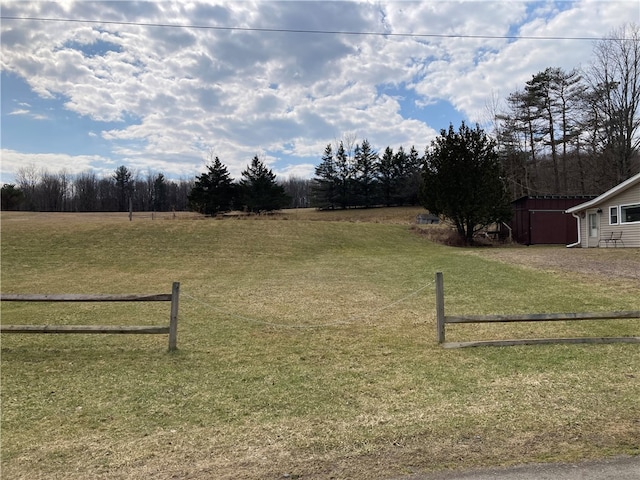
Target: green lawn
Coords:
[[306, 346]]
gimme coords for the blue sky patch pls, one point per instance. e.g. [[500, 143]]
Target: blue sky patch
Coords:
[[438, 114], [98, 48], [33, 124]]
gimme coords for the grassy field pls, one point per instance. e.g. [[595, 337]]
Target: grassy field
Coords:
[[306, 349]]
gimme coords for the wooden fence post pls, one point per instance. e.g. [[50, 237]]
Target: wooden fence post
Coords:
[[439, 307], [173, 321]]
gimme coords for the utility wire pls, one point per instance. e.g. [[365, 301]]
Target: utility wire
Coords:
[[317, 32]]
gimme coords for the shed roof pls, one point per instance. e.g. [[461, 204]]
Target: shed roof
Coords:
[[621, 187]]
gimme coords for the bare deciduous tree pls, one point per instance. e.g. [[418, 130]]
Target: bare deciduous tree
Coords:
[[615, 75]]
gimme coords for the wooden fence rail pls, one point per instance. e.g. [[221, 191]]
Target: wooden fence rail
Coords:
[[442, 320], [171, 329]]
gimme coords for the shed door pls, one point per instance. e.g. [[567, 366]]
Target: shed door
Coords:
[[594, 229]]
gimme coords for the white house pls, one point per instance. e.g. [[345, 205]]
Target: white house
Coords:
[[611, 219]]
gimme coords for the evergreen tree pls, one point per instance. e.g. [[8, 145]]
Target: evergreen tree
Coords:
[[259, 190], [11, 197], [387, 176], [124, 186], [366, 163], [213, 191], [326, 183], [160, 197], [541, 91], [344, 171], [463, 181], [409, 168]]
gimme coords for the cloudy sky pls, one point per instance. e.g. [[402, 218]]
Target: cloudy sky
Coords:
[[159, 86]]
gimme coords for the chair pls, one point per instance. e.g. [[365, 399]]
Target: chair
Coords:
[[613, 237], [616, 238], [606, 239]]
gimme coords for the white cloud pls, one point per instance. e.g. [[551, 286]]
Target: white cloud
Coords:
[[176, 93], [300, 170], [13, 162], [22, 112]]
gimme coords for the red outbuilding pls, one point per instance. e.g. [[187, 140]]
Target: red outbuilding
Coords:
[[541, 219]]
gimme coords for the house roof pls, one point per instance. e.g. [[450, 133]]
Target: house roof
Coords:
[[554, 197], [628, 183]]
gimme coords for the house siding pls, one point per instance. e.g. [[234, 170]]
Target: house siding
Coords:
[[630, 231]]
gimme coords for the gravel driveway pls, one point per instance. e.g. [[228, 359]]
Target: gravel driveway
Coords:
[[611, 264]]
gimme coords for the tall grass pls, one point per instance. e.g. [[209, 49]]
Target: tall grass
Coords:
[[306, 348]]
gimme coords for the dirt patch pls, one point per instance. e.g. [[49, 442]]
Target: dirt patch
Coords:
[[609, 264]]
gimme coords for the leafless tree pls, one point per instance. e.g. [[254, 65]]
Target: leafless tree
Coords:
[[615, 76]]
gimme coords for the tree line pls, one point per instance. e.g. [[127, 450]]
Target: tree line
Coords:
[[577, 131], [257, 191], [87, 192], [355, 175]]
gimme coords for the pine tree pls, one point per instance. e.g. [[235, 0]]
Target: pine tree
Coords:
[[365, 182], [409, 175], [213, 191], [541, 91], [160, 199], [124, 185], [387, 176], [463, 181], [345, 176], [11, 197], [259, 190], [326, 182]]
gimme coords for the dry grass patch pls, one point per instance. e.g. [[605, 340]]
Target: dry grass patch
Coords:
[[306, 348]]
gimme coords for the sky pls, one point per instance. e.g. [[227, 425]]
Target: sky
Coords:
[[163, 87]]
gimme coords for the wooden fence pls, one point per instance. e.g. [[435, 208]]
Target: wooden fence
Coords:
[[171, 329], [442, 320]]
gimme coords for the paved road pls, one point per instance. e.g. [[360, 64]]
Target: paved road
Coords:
[[619, 468]]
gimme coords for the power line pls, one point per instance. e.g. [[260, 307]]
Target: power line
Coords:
[[317, 32]]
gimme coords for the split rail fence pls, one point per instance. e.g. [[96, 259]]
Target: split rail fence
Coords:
[[171, 329], [442, 320]]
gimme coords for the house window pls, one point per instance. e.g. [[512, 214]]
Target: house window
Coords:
[[630, 213], [613, 215]]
